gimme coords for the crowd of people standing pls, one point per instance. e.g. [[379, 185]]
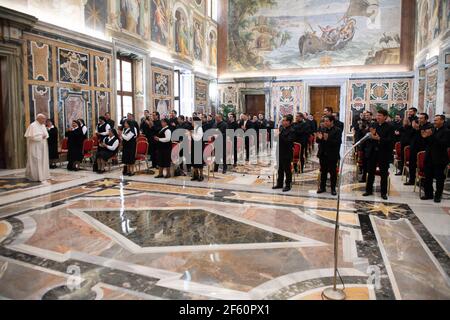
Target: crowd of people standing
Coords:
[[414, 132]]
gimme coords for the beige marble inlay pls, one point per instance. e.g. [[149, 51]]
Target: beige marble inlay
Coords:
[[358, 293], [141, 186]]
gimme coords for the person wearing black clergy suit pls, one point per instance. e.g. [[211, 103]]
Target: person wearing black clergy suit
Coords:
[[75, 141], [328, 111], [302, 132], [206, 125], [109, 147], [398, 128], [173, 121], [417, 144], [380, 148], [329, 139], [129, 137], [233, 125], [222, 126], [436, 159], [285, 154], [52, 140], [245, 125], [110, 121], [164, 153]]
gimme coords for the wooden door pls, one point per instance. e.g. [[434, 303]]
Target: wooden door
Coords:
[[322, 97], [255, 104], [2, 117]]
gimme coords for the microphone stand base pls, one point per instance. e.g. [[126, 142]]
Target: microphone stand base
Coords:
[[332, 294]]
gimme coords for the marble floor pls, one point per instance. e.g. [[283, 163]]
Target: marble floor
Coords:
[[85, 236]]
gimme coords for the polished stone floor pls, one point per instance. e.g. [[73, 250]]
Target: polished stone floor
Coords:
[[85, 236]]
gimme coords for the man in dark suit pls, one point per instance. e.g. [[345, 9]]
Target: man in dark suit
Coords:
[[328, 111], [233, 125], [417, 144], [222, 127], [329, 140], [380, 153], [110, 121], [246, 125], [285, 154], [173, 120], [436, 159]]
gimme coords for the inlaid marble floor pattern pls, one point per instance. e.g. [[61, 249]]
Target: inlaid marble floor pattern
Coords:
[[86, 236]]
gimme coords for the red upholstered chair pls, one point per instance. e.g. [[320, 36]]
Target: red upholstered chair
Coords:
[[141, 138], [142, 153], [95, 143], [398, 154], [297, 158], [406, 156], [64, 150], [88, 153], [420, 171]]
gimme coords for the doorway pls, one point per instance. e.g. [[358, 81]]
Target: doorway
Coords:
[[2, 114], [255, 104], [322, 97]]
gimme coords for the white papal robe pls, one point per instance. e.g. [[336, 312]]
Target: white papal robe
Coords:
[[37, 147]]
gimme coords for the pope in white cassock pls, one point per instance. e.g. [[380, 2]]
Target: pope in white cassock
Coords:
[[37, 147]]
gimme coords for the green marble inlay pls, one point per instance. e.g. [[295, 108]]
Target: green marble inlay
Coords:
[[163, 228]]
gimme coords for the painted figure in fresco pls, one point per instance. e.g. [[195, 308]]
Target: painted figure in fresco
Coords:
[[198, 41], [130, 11], [181, 34], [160, 22], [212, 49]]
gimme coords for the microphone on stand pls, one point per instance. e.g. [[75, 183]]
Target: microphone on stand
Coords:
[[334, 293]]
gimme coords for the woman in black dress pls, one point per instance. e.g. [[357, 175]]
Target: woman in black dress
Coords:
[[52, 143], [129, 136], [110, 146], [75, 145], [164, 147], [84, 129], [197, 146]]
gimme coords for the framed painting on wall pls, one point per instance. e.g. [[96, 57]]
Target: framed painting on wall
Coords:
[[162, 82]]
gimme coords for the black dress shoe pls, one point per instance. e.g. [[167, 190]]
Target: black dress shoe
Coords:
[[334, 193], [195, 179], [320, 191], [398, 174], [277, 187], [409, 183], [130, 174], [362, 181], [384, 197], [159, 176], [167, 177], [367, 194], [287, 189], [425, 198], [437, 199]]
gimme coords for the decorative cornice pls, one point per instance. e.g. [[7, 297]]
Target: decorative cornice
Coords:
[[17, 19]]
